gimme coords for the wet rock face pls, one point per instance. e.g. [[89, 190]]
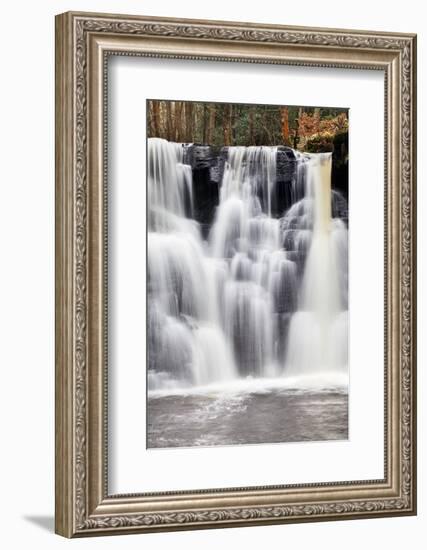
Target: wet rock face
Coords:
[[208, 162], [286, 164], [200, 156], [205, 195], [285, 173], [339, 176], [205, 163]]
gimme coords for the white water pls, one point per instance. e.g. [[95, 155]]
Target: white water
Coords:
[[263, 297], [318, 330]]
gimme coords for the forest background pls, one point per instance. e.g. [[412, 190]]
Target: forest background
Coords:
[[311, 129]]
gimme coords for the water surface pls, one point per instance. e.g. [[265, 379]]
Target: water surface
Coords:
[[269, 416]]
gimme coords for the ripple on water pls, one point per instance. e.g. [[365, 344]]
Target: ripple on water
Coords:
[[273, 415]]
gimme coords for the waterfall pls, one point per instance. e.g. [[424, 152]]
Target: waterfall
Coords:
[[264, 294], [187, 345], [318, 330]]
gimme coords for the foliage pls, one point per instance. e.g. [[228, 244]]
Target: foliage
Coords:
[[320, 143], [220, 124]]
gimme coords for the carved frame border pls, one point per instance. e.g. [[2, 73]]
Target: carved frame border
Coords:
[[83, 43]]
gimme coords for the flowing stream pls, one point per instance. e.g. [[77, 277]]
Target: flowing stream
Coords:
[[247, 322]]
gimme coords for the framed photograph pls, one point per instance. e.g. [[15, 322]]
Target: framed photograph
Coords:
[[235, 274]]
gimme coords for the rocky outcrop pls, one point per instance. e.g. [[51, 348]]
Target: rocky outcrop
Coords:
[[208, 162], [339, 177], [205, 162], [285, 170]]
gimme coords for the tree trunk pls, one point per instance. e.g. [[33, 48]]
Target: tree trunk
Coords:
[[197, 134], [178, 121], [251, 126], [154, 107], [211, 124], [267, 137], [316, 120], [230, 123], [226, 123], [169, 120], [205, 123], [297, 128], [189, 122], [162, 120], [284, 111], [150, 119]]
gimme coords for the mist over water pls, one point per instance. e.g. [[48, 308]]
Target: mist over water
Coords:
[[264, 296]]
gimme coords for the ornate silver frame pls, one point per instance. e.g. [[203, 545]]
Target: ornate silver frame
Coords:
[[83, 43]]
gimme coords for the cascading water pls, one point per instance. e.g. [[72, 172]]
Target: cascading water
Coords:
[[265, 294], [317, 339]]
